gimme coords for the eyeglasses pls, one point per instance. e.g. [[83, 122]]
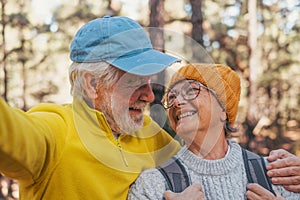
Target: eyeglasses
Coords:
[[189, 91]]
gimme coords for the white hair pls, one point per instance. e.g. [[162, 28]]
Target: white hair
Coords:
[[104, 72]]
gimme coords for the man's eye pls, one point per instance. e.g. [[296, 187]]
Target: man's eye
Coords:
[[136, 83], [133, 83]]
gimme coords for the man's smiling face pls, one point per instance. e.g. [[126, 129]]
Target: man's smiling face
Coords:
[[123, 104]]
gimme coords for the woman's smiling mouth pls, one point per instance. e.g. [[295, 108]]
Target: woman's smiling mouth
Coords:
[[186, 114]]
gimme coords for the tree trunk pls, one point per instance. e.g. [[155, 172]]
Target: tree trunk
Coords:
[[197, 20], [157, 20], [197, 32], [252, 42], [251, 120], [4, 66]]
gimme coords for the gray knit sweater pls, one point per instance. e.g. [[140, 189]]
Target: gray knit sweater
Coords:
[[223, 179]]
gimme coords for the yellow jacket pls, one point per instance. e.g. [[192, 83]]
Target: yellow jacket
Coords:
[[69, 152]]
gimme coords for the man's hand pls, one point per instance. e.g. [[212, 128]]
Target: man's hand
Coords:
[[284, 169], [257, 192], [193, 192]]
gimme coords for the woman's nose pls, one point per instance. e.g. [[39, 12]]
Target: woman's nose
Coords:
[[179, 101]]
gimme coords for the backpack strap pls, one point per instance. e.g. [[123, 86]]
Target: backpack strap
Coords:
[[175, 175], [256, 170], [177, 178]]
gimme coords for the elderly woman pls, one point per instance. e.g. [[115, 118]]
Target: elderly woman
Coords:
[[202, 103]]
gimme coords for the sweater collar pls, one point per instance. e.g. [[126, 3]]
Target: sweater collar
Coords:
[[212, 167]]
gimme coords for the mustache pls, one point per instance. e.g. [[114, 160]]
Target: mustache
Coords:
[[138, 105]]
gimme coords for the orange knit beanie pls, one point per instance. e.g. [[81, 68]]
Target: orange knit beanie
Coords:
[[221, 79]]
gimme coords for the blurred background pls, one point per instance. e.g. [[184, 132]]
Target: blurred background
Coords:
[[259, 39]]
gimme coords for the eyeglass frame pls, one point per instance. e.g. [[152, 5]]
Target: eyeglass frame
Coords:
[[190, 81]]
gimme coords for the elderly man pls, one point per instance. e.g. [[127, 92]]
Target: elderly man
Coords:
[[95, 147]]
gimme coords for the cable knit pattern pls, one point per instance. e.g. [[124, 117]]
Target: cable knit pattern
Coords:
[[223, 179]]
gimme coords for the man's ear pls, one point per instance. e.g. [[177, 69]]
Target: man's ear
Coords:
[[90, 85]]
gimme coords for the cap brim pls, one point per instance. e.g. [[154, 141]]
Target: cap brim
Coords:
[[144, 64]]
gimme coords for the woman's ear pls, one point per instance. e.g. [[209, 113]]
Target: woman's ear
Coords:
[[90, 85], [223, 115]]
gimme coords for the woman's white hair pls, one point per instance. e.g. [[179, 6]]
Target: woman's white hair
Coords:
[[108, 74]]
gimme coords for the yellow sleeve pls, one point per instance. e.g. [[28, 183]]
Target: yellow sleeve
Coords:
[[27, 141]]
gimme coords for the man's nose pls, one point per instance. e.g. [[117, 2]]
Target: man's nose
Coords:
[[147, 93]]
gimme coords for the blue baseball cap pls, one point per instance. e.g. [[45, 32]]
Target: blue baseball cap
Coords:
[[121, 42]]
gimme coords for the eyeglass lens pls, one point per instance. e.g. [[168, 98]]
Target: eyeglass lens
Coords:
[[189, 91]]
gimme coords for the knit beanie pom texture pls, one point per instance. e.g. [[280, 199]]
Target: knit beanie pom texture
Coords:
[[219, 78]]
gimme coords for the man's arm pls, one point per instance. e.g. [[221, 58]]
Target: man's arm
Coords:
[[25, 141], [284, 169]]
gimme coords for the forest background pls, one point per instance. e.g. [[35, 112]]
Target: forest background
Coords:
[[259, 39]]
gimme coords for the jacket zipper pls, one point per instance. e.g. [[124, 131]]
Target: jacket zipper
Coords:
[[122, 154]]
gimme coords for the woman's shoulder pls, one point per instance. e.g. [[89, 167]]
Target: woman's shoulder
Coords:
[[149, 185], [152, 173]]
